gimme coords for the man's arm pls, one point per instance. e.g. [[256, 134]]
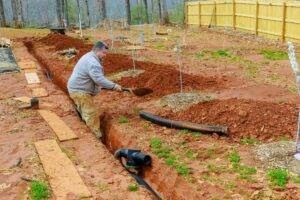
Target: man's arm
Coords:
[[96, 74]]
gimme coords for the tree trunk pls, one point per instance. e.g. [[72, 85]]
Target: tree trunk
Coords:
[[165, 18], [128, 13], [147, 13], [2, 15], [159, 11], [67, 13], [61, 9], [88, 12], [152, 11], [103, 9], [17, 13]]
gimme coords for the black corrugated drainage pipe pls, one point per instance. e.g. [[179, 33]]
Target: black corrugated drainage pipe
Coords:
[[222, 130]]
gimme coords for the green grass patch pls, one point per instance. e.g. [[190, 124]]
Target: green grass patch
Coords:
[[296, 179], [39, 190], [133, 187], [160, 46], [249, 141], [278, 177], [164, 151], [234, 158], [274, 55], [220, 53], [122, 120], [194, 134], [182, 169], [230, 185]]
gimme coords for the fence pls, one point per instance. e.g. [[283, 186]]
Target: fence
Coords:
[[272, 19]]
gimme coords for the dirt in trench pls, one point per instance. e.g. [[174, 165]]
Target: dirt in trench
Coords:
[[245, 118]]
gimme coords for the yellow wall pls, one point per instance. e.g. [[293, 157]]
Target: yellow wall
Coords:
[[272, 19]]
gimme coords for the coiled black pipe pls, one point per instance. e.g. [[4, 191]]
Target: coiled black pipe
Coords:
[[222, 130]]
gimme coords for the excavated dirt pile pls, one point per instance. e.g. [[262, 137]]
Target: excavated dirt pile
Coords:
[[163, 79], [245, 118]]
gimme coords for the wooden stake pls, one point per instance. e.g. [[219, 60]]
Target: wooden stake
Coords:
[[199, 14], [234, 14]]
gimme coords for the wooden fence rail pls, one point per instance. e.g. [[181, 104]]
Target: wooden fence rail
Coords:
[[272, 19]]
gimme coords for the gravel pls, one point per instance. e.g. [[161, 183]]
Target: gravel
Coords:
[[128, 73], [181, 101], [278, 155]]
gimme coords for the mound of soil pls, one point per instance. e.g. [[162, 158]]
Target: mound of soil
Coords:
[[165, 80], [245, 118]]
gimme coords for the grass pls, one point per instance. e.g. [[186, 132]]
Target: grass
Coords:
[[122, 120], [234, 158], [194, 134], [274, 55], [249, 141], [220, 53], [296, 179], [170, 158], [231, 185], [160, 46], [278, 177], [133, 187], [39, 190]]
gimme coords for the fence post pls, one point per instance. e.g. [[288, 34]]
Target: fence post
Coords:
[[234, 14], [283, 21], [186, 13], [215, 14], [256, 17], [199, 14]]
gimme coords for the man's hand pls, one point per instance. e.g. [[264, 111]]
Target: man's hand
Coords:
[[118, 88]]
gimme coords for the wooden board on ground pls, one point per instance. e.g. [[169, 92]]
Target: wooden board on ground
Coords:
[[32, 78], [39, 92], [62, 131], [27, 65], [23, 99], [62, 175]]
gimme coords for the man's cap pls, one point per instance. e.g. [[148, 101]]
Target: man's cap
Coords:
[[100, 45]]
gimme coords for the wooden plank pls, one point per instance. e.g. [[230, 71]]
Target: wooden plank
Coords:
[[256, 17], [62, 175], [62, 131], [32, 78], [39, 92]]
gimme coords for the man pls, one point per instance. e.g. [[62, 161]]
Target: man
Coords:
[[84, 83]]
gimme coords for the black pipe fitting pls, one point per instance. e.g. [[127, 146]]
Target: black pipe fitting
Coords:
[[135, 158]]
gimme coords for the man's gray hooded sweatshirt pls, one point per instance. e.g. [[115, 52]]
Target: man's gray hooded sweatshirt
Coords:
[[88, 76]]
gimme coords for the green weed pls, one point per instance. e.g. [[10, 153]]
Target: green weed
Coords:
[[182, 169], [155, 143], [274, 55], [170, 161], [220, 53], [146, 126], [216, 169], [231, 185], [234, 158], [249, 141], [39, 190], [122, 120], [278, 177], [133, 187], [160, 46]]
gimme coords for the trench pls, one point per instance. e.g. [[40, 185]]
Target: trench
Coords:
[[162, 178]]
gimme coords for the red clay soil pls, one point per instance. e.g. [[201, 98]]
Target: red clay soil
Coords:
[[245, 118], [163, 79]]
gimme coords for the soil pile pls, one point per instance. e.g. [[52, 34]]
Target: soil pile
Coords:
[[165, 80], [245, 118]]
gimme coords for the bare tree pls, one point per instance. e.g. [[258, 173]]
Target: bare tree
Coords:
[[17, 13], [2, 15], [165, 17], [88, 12], [61, 13], [159, 10], [103, 9], [146, 9], [128, 13]]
